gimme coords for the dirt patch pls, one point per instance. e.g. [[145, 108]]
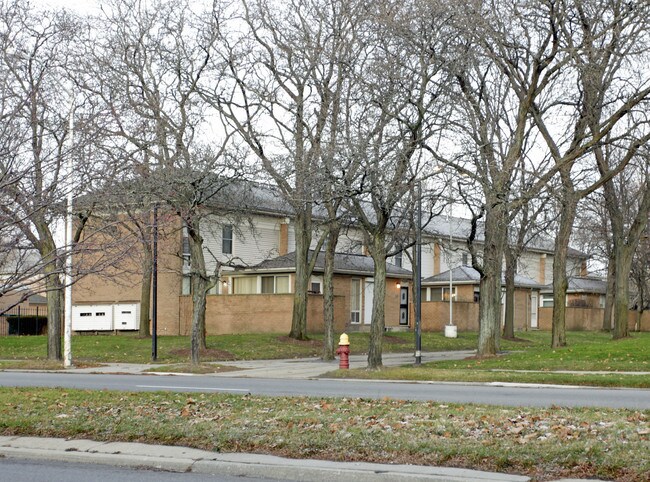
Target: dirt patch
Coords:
[[292, 341], [397, 340], [209, 354]]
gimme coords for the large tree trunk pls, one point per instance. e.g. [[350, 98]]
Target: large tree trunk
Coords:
[[199, 282], [621, 299], [329, 342], [378, 322], [560, 280], [301, 285], [145, 292], [490, 285], [511, 264], [609, 295], [54, 314], [54, 290]]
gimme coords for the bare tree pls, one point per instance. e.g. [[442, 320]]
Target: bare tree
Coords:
[[399, 96], [35, 52], [145, 67], [605, 44]]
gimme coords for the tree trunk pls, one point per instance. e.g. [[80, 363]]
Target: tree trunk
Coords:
[[490, 285], [509, 325], [621, 298], [145, 292], [560, 279], [199, 282], [609, 295], [377, 323], [54, 292], [303, 240], [54, 314], [329, 342]]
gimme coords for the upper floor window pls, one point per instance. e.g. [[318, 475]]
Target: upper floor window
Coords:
[[465, 259], [226, 239], [398, 259], [186, 250]]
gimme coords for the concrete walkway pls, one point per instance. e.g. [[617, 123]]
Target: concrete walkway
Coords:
[[183, 459], [297, 368]]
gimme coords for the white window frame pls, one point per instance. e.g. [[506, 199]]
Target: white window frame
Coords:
[[355, 315]]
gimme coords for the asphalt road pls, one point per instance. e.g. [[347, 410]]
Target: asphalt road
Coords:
[[22, 470], [502, 394]]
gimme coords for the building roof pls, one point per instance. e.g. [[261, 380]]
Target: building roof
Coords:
[[586, 284], [468, 275], [354, 264]]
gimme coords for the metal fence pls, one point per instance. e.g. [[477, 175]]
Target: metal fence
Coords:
[[23, 321]]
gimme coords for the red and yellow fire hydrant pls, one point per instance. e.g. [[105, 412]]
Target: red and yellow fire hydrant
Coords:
[[344, 352]]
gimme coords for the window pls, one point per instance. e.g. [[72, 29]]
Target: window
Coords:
[[275, 284], [315, 287], [465, 259], [546, 301], [186, 250], [186, 286], [226, 239], [398, 259], [477, 295], [601, 301], [355, 300], [423, 294], [245, 285], [442, 293]]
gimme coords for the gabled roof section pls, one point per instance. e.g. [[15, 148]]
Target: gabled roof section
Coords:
[[586, 284], [460, 229], [354, 264], [468, 275]]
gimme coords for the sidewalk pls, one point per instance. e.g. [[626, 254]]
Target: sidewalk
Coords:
[[183, 459], [297, 368]]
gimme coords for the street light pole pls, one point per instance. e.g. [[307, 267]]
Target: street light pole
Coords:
[[67, 280], [418, 281], [154, 282]]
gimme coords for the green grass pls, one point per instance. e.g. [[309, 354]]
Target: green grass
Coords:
[[586, 351], [129, 348], [541, 443]]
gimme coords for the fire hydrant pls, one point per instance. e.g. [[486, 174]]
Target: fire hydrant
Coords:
[[344, 352]]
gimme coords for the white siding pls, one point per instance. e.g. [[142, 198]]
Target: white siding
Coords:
[[528, 265], [251, 244]]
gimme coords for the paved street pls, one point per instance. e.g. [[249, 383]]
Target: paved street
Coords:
[[298, 377]]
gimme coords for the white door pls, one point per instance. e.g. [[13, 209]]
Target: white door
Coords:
[[368, 294], [533, 310]]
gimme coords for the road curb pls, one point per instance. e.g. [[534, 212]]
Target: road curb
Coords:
[[183, 459]]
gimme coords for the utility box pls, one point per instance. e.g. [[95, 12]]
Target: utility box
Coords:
[[92, 317], [126, 316]]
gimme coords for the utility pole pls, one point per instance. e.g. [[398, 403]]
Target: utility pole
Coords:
[[418, 280], [154, 287]]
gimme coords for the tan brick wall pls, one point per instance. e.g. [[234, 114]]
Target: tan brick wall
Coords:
[[435, 315], [577, 319], [122, 283], [231, 314], [644, 322]]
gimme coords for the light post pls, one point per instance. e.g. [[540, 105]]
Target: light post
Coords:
[[67, 280], [418, 281], [450, 329], [154, 282]]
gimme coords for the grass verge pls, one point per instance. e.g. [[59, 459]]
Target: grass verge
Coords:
[[530, 360], [542, 443]]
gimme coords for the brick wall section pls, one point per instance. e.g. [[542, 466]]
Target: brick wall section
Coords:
[[233, 314], [122, 284]]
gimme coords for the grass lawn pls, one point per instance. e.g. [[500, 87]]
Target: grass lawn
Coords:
[[542, 443], [129, 348], [586, 351]]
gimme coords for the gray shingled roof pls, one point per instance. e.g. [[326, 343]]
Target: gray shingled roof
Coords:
[[468, 275], [582, 285], [355, 264]]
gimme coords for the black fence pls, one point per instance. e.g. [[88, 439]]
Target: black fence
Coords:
[[23, 321]]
